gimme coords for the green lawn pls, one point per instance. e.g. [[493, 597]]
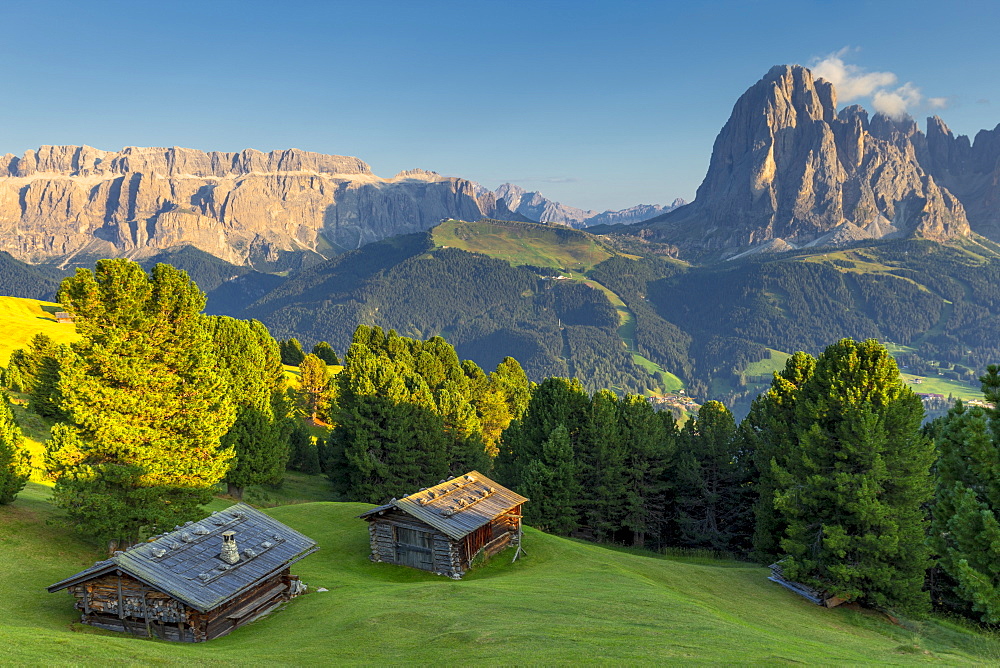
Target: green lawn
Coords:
[[21, 319], [565, 602]]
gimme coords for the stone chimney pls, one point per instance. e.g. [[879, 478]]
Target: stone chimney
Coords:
[[229, 553]]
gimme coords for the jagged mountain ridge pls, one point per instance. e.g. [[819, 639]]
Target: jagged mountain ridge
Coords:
[[537, 208], [788, 166], [61, 202], [71, 204]]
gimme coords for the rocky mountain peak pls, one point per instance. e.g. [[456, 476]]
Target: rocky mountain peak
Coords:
[[787, 166]]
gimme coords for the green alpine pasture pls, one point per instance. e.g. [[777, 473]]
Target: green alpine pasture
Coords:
[[564, 602], [21, 319], [553, 246]]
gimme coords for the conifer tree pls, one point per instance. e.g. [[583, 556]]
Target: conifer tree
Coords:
[[965, 525], [304, 449], [249, 359], [324, 351], [389, 436], [601, 457], [146, 407], [291, 352], [767, 436], [713, 504], [15, 463], [550, 483], [556, 401], [652, 444], [851, 491]]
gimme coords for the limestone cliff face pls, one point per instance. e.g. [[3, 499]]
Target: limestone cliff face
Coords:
[[62, 201], [970, 170], [787, 166]]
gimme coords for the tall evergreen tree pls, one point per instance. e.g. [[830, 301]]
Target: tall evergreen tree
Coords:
[[324, 351], [550, 483], [602, 457], [146, 407], [389, 436], [249, 359], [851, 492], [713, 491], [556, 401], [652, 444], [291, 352], [965, 525], [15, 463], [768, 436]]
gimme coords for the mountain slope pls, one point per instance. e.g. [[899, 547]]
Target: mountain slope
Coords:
[[563, 601]]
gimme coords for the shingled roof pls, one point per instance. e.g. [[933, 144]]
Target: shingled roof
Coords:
[[458, 506], [185, 562]]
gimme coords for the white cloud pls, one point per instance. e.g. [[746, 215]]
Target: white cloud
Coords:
[[853, 82]]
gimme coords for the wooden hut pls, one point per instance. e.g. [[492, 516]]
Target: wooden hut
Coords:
[[197, 582], [63, 317], [443, 528]]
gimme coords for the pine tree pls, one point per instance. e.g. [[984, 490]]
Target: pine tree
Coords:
[[851, 492], [146, 407], [389, 436], [291, 352], [965, 525], [652, 443], [15, 463], [601, 457], [249, 359], [767, 436], [713, 504], [550, 483], [556, 401], [305, 456], [324, 351]]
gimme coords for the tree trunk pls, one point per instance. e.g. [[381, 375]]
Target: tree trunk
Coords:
[[234, 491]]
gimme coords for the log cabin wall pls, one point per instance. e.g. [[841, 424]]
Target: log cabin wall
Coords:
[[144, 611]]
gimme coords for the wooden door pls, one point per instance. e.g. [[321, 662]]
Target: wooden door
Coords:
[[414, 548]]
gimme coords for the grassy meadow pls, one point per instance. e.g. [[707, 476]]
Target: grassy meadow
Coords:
[[553, 246], [564, 602], [21, 319]]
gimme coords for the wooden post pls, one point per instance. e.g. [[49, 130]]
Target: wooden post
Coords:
[[121, 602]]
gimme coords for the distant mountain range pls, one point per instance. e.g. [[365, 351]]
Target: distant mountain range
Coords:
[[790, 177], [273, 211]]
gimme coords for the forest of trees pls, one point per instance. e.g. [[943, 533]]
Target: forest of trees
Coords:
[[158, 405]]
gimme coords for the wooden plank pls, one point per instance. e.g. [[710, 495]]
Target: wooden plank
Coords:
[[257, 600]]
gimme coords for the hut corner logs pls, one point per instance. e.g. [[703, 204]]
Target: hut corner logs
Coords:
[[197, 582], [443, 528]]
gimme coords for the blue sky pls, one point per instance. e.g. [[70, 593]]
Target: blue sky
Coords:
[[597, 104]]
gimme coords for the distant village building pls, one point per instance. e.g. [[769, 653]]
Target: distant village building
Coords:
[[443, 528], [197, 582]]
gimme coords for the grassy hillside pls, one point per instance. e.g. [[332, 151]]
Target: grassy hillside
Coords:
[[20, 319], [551, 246], [564, 602]]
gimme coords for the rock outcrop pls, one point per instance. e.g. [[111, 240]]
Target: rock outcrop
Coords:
[[787, 166], [61, 203]]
